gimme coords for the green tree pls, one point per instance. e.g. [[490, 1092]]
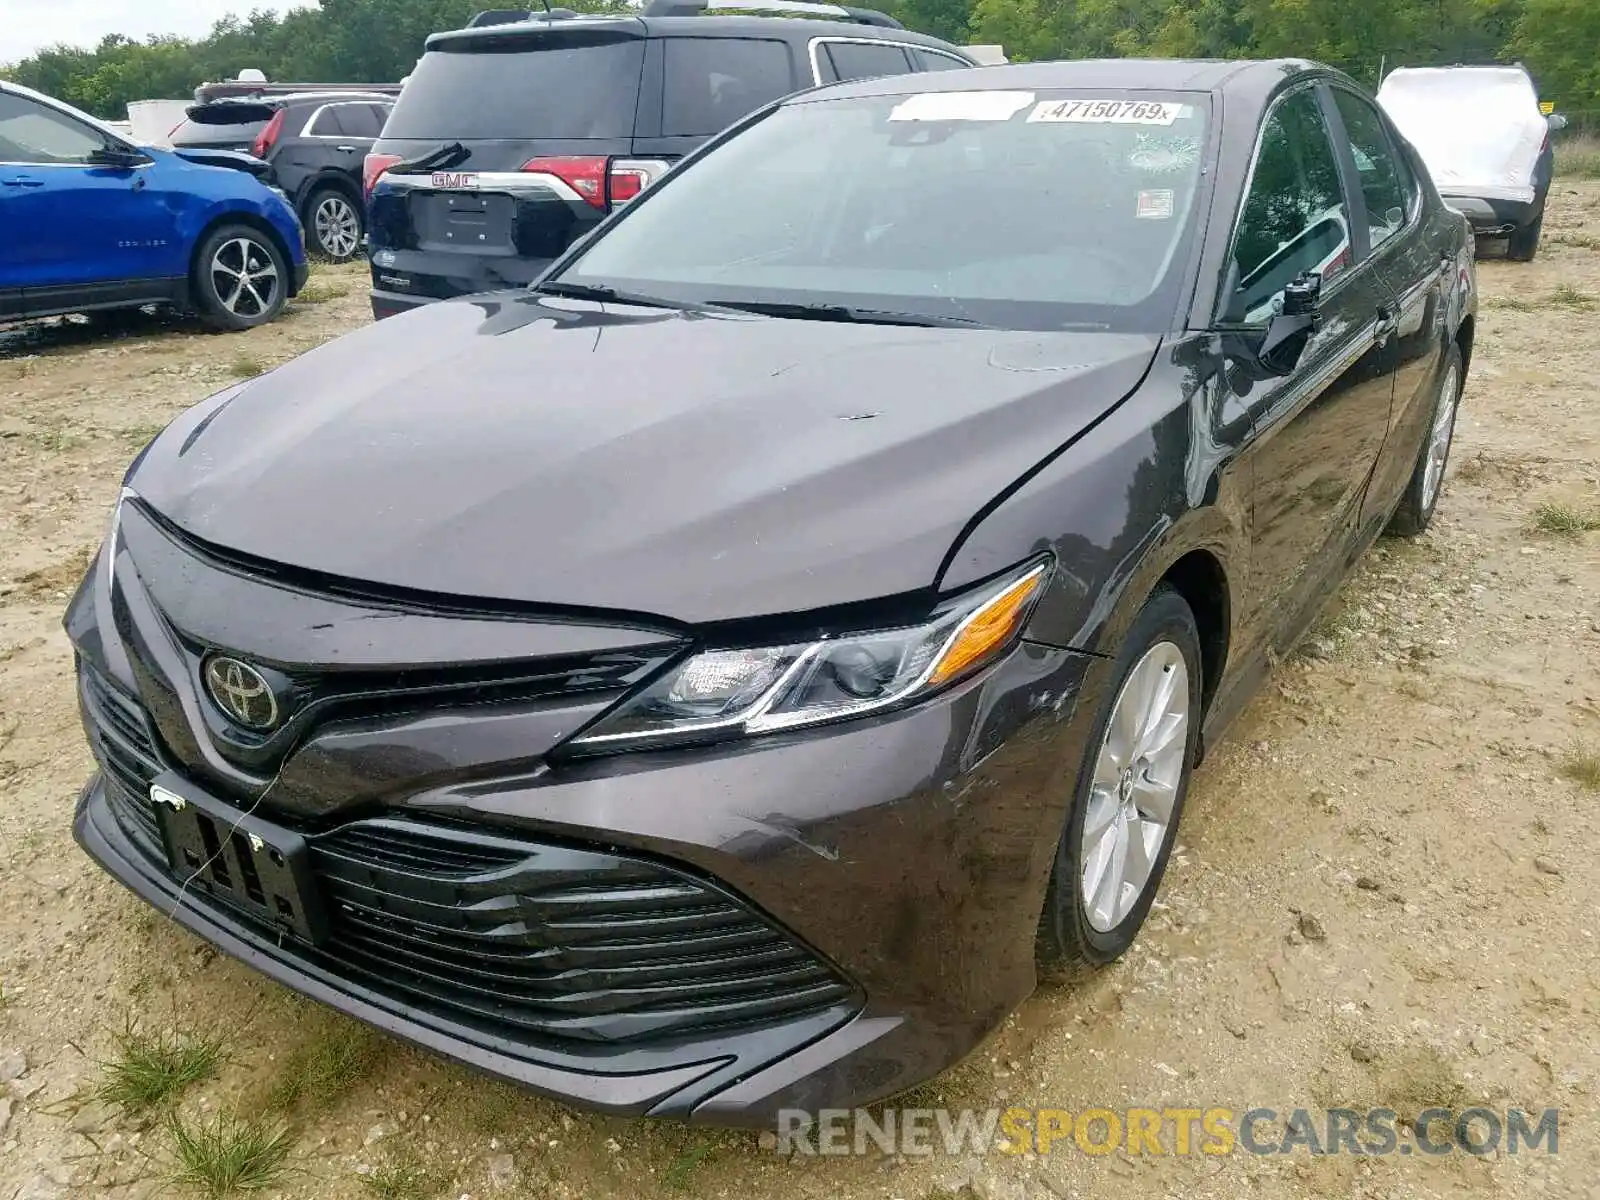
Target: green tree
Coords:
[[1560, 42]]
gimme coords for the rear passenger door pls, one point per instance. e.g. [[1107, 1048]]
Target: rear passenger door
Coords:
[[1416, 265]]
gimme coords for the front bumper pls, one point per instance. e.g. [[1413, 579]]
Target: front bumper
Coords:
[[885, 875]]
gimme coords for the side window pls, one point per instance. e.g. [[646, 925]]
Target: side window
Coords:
[[932, 60], [33, 133], [357, 120], [1377, 164], [712, 82], [328, 123], [852, 60], [1294, 218], [380, 115]]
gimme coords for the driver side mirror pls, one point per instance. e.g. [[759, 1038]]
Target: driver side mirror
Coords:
[[120, 157], [1556, 122], [1287, 335]]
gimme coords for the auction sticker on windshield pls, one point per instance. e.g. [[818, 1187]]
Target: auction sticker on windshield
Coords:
[[1108, 112], [455, 180]]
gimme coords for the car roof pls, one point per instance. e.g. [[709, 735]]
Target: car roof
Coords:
[[1252, 80], [787, 28]]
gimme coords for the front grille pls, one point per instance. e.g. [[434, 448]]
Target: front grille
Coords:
[[120, 737], [525, 942], [528, 940]]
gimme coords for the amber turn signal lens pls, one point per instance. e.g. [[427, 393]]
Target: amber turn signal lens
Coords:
[[988, 629]]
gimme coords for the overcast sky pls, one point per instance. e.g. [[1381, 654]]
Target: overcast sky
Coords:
[[29, 25]]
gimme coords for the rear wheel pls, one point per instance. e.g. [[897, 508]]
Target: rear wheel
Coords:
[[1524, 242], [1129, 791], [334, 224], [240, 279], [1427, 479]]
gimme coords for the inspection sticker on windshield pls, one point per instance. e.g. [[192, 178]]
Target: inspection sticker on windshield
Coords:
[[1108, 112], [961, 106], [1154, 205]]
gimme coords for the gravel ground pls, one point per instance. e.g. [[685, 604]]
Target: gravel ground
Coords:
[[1385, 894]]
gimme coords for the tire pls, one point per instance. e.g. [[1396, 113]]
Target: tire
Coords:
[[1524, 242], [1422, 492], [334, 224], [1092, 929], [240, 278]]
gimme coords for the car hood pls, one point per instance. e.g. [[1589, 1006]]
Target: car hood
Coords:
[[693, 467]]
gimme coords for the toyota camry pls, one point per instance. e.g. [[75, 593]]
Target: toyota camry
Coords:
[[713, 680]]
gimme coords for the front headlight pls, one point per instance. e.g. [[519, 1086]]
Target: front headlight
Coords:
[[738, 692]]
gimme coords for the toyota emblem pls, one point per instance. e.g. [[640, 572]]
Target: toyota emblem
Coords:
[[242, 693]]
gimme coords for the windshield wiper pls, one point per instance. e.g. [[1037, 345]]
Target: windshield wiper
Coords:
[[603, 294], [843, 312], [440, 158]]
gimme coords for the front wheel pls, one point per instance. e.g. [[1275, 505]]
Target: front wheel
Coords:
[[240, 279], [333, 221], [1427, 478], [1129, 793]]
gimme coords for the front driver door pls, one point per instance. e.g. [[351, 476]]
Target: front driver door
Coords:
[[74, 231], [1317, 431]]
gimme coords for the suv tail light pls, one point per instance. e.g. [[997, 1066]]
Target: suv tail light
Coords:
[[268, 135], [372, 167], [602, 182]]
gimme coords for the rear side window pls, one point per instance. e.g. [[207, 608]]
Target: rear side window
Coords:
[[712, 82], [853, 60], [552, 88], [932, 60], [1381, 181], [347, 120]]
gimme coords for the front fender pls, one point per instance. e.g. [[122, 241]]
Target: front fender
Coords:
[[1159, 478]]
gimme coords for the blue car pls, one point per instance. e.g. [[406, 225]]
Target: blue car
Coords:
[[91, 221]]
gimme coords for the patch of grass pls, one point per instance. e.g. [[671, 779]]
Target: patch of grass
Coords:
[[1510, 303], [330, 1064], [1581, 764], [1578, 158], [150, 1070], [320, 291], [246, 367], [1561, 520], [680, 1172], [404, 1181], [224, 1155], [1568, 296]]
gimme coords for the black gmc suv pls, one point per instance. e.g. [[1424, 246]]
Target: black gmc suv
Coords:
[[314, 144], [518, 134]]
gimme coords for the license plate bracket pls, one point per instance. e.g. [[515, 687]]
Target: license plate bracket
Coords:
[[242, 860]]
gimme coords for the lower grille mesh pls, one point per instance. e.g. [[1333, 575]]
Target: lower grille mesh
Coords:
[[521, 940]]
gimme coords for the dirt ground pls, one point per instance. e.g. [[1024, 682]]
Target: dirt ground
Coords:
[[1387, 891]]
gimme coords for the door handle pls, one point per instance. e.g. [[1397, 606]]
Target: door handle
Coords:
[[23, 181], [346, 149]]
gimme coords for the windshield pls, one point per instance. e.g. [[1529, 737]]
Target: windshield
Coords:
[[1025, 210]]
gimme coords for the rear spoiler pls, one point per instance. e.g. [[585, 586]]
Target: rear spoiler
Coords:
[[694, 8], [244, 89]]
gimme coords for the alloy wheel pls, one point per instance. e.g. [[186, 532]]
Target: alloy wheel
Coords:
[[244, 277], [1444, 427], [1135, 788], [337, 226]]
